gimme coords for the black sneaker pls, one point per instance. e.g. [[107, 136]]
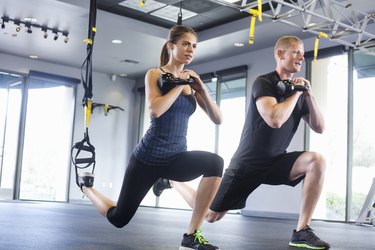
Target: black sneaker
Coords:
[[85, 179], [160, 185], [305, 238], [196, 241]]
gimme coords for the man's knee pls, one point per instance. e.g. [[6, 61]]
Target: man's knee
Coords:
[[319, 162], [213, 216]]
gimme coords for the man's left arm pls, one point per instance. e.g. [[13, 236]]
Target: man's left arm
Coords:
[[314, 118]]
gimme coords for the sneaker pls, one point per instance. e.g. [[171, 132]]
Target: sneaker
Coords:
[[85, 179], [305, 238], [160, 185], [196, 241]]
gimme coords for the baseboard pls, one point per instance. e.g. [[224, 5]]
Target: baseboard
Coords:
[[269, 214], [6, 193], [79, 201]]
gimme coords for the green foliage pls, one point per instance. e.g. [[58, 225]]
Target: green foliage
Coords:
[[336, 205]]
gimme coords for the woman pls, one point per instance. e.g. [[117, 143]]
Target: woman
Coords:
[[162, 152]]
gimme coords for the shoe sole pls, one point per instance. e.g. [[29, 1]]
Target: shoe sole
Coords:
[[304, 245], [84, 174], [188, 248]]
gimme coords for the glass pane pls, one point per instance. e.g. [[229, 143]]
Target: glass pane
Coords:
[[330, 85], [47, 144], [233, 106], [363, 142], [10, 107], [201, 131]]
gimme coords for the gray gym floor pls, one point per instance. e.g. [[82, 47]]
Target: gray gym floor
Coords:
[[45, 225]]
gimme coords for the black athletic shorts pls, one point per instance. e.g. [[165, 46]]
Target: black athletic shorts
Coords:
[[240, 180]]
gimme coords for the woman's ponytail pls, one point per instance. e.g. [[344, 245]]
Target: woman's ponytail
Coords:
[[164, 55]]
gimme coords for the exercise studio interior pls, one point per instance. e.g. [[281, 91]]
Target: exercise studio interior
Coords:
[[187, 124]]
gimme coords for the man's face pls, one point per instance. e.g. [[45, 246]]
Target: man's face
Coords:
[[293, 58]]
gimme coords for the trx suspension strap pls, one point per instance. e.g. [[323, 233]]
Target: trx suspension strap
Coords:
[[254, 15], [85, 147], [316, 45]]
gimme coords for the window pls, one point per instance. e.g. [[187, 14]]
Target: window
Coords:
[[47, 137], [363, 155], [11, 86], [348, 140], [330, 86], [233, 106]]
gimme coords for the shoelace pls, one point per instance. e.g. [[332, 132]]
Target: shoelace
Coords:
[[198, 237], [311, 234]]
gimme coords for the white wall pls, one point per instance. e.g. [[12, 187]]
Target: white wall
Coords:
[[109, 134]]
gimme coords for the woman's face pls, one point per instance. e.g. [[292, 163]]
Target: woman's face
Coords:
[[183, 51]]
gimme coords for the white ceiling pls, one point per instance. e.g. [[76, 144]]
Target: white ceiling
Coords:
[[142, 41]]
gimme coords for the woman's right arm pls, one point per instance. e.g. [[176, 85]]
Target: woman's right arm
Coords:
[[158, 104]]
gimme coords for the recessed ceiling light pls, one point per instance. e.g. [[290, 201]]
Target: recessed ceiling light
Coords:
[[123, 75], [33, 57], [239, 44], [130, 61], [116, 41]]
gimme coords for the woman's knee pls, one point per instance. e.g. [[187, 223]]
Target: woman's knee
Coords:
[[215, 166], [115, 220], [119, 224]]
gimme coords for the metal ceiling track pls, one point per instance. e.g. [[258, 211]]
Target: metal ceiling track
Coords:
[[339, 22]]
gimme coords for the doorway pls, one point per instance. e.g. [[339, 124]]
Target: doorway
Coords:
[[11, 86], [48, 131]]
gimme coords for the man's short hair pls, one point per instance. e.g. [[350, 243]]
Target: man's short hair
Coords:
[[285, 41]]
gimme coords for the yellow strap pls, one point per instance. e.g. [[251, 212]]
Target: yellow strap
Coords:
[[142, 3], [106, 106], [255, 14], [89, 41], [252, 28], [88, 113], [316, 46], [260, 10]]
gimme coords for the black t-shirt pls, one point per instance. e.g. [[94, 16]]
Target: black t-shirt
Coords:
[[259, 142]]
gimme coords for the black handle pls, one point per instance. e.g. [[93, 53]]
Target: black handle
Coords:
[[287, 87]]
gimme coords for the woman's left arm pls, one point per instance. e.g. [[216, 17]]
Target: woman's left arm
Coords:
[[204, 99]]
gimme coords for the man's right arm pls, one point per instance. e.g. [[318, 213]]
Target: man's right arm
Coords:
[[276, 114]]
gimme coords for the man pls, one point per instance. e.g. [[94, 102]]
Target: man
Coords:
[[261, 156]]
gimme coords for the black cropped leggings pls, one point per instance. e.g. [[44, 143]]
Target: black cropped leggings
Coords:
[[140, 177]]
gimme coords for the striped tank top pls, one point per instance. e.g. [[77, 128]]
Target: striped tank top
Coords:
[[166, 135]]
